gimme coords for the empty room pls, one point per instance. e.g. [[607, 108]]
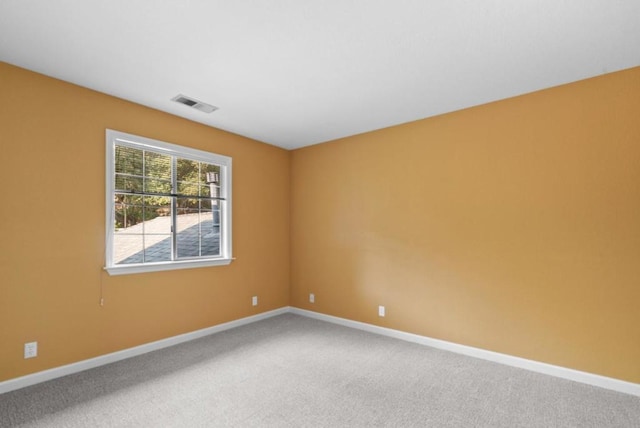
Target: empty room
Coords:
[[320, 213]]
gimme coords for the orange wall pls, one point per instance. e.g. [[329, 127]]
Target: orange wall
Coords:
[[513, 226], [52, 145]]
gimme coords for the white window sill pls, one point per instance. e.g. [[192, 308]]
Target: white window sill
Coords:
[[157, 267]]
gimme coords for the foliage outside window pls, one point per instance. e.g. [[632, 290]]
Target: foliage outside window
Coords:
[[168, 206]]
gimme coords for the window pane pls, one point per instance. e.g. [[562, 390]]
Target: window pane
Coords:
[[127, 248], [197, 178], [188, 233], [157, 248], [209, 173], [210, 245], [187, 205], [188, 188], [206, 204], [130, 183], [157, 165], [157, 173], [196, 235], [157, 215], [129, 160], [187, 170], [157, 229], [215, 215], [132, 210], [130, 249], [143, 229], [155, 185], [129, 211]]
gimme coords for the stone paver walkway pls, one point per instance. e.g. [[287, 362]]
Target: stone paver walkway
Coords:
[[150, 241]]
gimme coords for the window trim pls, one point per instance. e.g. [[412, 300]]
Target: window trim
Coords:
[[225, 258]]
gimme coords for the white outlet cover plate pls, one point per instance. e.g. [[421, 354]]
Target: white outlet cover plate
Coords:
[[381, 311], [31, 349]]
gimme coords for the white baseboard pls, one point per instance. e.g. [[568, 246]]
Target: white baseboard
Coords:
[[534, 366], [43, 376]]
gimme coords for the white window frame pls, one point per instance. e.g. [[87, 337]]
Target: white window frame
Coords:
[[225, 257]]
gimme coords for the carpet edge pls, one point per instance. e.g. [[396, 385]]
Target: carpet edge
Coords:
[[79, 366], [509, 360]]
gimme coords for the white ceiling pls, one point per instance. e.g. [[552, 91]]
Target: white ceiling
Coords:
[[297, 72]]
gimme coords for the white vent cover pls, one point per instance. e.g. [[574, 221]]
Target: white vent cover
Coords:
[[199, 105]]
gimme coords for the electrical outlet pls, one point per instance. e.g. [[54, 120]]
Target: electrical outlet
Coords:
[[381, 311], [254, 300], [312, 297], [30, 350]]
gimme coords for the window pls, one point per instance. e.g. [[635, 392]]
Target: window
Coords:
[[168, 207]]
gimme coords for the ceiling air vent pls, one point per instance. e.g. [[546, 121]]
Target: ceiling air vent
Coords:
[[199, 105]]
